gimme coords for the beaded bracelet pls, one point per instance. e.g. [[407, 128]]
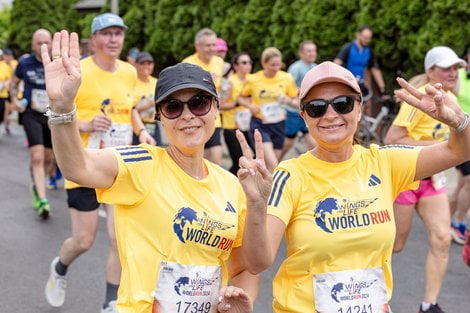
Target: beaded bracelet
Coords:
[[58, 119], [464, 124]]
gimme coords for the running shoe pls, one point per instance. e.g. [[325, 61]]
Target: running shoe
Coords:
[[466, 249], [434, 308], [111, 308], [51, 183], [34, 193], [55, 287], [458, 233], [44, 209]]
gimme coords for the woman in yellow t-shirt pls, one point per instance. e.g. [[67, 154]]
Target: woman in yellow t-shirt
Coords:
[[413, 127], [178, 231], [269, 90], [334, 203], [234, 113]]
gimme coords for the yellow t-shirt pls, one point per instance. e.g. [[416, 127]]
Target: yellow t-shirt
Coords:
[[419, 125], [145, 91], [5, 75], [266, 91], [339, 217], [112, 92], [228, 116], [163, 214], [215, 67]]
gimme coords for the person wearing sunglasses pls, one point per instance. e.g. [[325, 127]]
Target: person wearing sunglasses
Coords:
[[334, 203], [178, 231], [269, 90], [235, 114], [413, 127]]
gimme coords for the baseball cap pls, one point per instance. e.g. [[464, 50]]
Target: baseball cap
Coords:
[[220, 45], [327, 72], [443, 57], [7, 52], [183, 76], [133, 52], [143, 56], [106, 20]]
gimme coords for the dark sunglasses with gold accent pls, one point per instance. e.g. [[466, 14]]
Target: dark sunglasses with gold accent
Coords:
[[198, 105], [341, 104]]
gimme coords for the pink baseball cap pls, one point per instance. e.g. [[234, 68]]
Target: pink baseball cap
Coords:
[[220, 45], [327, 72]]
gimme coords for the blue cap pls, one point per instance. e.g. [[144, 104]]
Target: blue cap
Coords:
[[106, 20]]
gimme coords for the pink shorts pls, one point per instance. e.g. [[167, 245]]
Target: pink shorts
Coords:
[[425, 189]]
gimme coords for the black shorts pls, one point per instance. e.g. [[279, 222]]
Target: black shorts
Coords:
[[82, 199], [2, 108], [36, 129], [464, 168], [215, 139], [269, 132]]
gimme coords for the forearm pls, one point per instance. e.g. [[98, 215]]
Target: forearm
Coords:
[[13, 90], [137, 124], [248, 282], [459, 144], [256, 246]]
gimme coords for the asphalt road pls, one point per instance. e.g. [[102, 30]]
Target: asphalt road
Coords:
[[27, 246]]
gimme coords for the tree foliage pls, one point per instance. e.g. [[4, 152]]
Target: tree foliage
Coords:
[[403, 29]]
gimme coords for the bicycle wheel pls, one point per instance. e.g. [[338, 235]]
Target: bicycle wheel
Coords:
[[384, 127]]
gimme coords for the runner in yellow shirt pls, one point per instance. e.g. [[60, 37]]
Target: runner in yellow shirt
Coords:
[[270, 89], [413, 127], [177, 230], [334, 203], [106, 118], [205, 57]]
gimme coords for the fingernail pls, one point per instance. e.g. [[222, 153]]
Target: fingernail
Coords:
[[252, 171], [221, 298], [227, 306]]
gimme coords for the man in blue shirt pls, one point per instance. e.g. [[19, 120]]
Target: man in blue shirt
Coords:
[[295, 123], [357, 57]]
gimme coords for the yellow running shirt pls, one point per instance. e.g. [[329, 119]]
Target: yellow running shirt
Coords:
[[340, 228], [265, 93], [215, 67], [228, 116], [174, 233], [419, 125], [146, 90], [6, 74], [108, 92]]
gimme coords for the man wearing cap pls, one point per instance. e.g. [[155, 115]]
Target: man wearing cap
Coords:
[[32, 107], [415, 128], [205, 44], [144, 93], [106, 118]]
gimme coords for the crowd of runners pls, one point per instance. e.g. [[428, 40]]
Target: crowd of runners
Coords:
[[185, 235]]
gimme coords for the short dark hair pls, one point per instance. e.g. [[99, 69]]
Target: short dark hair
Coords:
[[304, 43], [363, 27]]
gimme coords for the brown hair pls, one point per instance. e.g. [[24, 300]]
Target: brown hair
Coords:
[[270, 53]]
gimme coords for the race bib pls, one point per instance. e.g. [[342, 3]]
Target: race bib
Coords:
[[351, 291], [438, 180], [117, 135], [272, 113], [187, 288], [39, 100], [242, 119]]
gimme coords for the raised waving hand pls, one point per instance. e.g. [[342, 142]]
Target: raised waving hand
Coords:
[[62, 70], [253, 175], [434, 102]]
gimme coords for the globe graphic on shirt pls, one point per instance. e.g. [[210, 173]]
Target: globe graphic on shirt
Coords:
[[336, 290], [182, 281], [183, 216], [323, 207]]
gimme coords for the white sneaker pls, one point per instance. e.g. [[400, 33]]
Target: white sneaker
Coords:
[[111, 308], [55, 287]]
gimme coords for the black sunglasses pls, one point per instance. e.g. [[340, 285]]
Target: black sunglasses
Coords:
[[245, 62], [341, 104], [198, 105]]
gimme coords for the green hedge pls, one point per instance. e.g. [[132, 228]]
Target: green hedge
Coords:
[[403, 29]]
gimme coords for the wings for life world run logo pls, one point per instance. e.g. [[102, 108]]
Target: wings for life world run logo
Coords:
[[198, 286], [352, 290], [188, 226], [332, 214]]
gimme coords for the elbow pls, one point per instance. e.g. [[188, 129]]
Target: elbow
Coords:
[[256, 267]]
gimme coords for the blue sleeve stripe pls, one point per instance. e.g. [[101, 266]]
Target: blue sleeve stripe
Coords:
[[134, 152], [128, 148], [281, 188], [277, 177], [137, 159]]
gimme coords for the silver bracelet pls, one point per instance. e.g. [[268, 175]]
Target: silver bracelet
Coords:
[[57, 119], [464, 124]]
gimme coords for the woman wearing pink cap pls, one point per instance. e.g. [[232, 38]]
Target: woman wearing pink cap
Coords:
[[413, 127], [334, 203]]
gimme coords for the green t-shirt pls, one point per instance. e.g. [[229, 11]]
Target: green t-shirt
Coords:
[[464, 91]]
